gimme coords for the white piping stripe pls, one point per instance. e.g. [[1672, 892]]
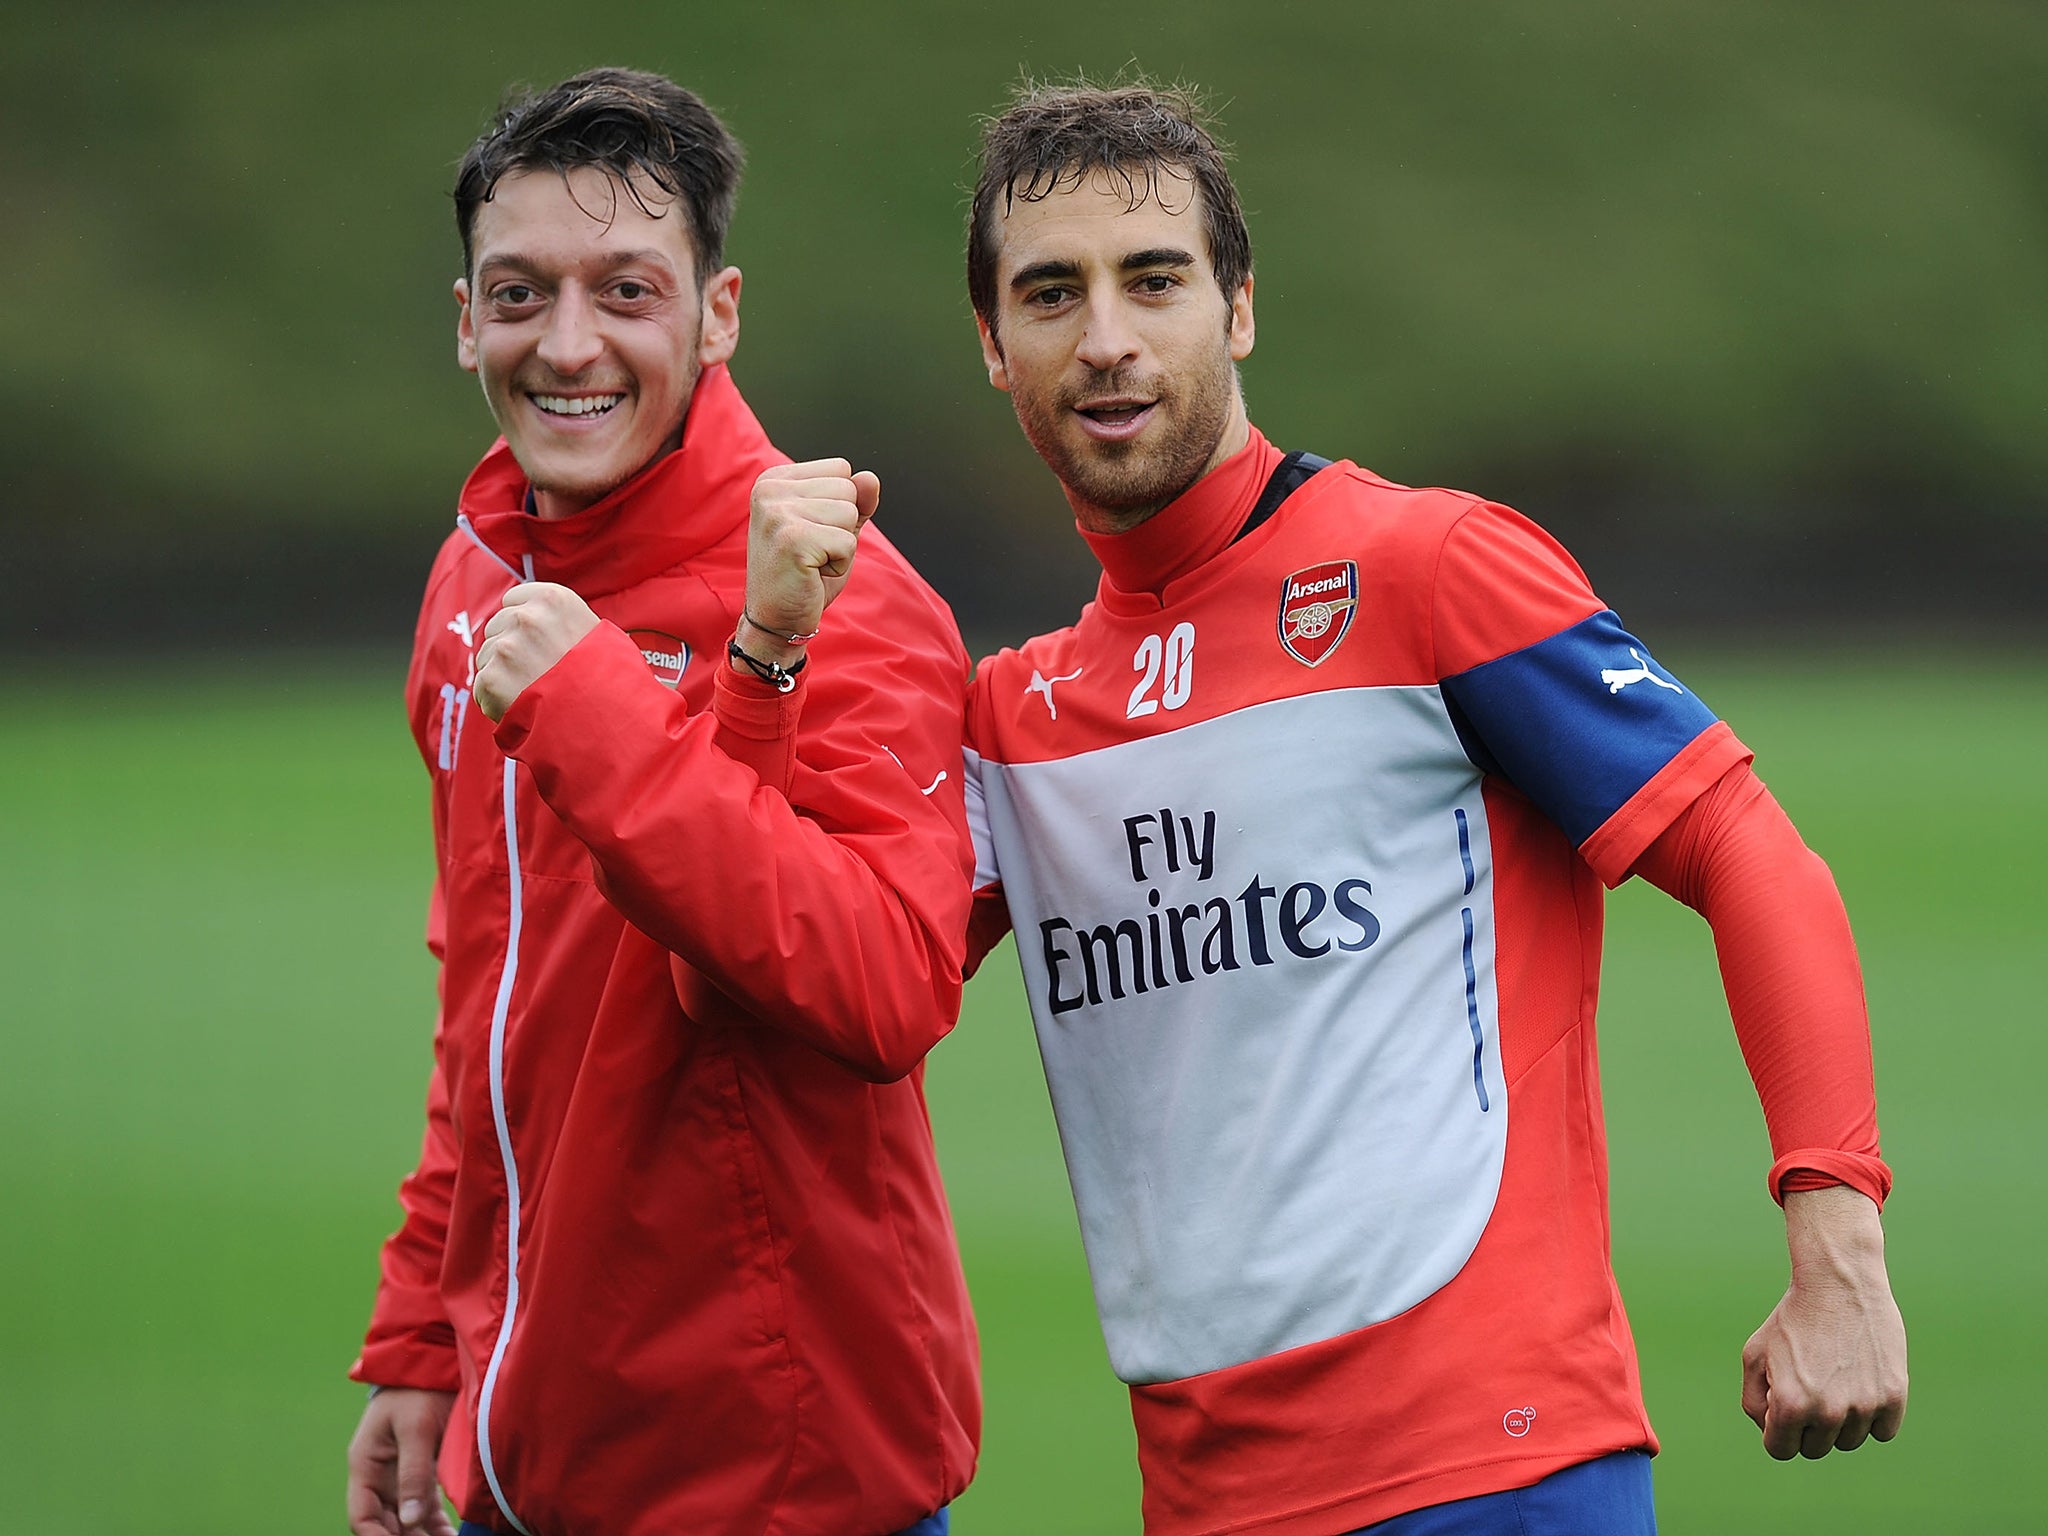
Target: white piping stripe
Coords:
[[462, 521], [500, 1011]]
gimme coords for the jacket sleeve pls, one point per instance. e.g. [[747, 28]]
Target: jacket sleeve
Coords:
[[832, 905], [410, 1342], [1794, 987]]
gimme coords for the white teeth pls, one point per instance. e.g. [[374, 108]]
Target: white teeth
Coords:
[[578, 405]]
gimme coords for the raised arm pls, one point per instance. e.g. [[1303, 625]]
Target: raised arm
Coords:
[[831, 905]]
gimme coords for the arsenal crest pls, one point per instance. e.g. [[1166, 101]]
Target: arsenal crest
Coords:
[[666, 656], [1316, 606]]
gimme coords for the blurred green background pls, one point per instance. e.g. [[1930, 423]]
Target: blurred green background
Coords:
[[1747, 302]]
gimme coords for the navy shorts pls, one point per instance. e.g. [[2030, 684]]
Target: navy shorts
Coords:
[[1607, 1497], [930, 1525]]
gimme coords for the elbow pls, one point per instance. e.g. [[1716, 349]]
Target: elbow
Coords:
[[895, 1043]]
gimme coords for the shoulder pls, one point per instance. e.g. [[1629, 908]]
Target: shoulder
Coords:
[[1474, 577], [1404, 524], [1050, 651], [889, 630], [886, 589], [1005, 682]]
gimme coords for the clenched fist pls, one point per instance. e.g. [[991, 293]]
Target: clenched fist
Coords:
[[1827, 1370], [806, 525], [535, 629]]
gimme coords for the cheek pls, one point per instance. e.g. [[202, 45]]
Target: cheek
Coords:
[[497, 355]]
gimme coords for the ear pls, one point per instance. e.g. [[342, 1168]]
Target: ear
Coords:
[[992, 355], [465, 328], [1242, 330], [721, 337]]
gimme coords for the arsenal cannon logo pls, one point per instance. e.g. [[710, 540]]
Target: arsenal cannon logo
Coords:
[[1316, 607], [667, 657]]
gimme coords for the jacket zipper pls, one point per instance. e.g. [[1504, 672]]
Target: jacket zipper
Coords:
[[500, 1012]]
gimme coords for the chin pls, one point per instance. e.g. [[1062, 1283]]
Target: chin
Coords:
[[1127, 481]]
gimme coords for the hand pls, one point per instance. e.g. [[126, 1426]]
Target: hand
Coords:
[[391, 1486], [535, 629], [1828, 1367], [806, 525]]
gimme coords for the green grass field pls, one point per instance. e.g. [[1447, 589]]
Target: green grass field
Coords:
[[214, 1009]]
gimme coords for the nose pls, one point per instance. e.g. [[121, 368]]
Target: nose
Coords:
[[1108, 339], [571, 342]]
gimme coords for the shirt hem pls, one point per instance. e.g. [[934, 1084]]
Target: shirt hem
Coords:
[[1352, 1511]]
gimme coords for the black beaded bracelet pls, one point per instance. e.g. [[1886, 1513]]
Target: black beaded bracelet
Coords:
[[782, 679]]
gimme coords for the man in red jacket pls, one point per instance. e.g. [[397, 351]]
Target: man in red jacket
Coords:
[[675, 1256], [1302, 828]]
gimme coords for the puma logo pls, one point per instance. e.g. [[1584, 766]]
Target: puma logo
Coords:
[[459, 626], [1618, 678], [1040, 683]]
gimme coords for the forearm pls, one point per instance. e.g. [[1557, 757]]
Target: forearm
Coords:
[[410, 1341], [1794, 986], [842, 925]]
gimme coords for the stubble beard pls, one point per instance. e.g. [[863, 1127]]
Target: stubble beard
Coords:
[[591, 489], [1122, 484]]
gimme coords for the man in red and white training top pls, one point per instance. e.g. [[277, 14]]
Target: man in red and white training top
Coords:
[[676, 1257], [1302, 829]]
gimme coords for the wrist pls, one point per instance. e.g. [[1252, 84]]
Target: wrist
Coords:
[[1832, 1233], [766, 648], [779, 675], [761, 639]]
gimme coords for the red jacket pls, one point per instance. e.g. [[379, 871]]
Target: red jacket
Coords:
[[677, 1235]]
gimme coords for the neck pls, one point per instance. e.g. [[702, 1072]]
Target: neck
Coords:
[[1100, 519], [552, 506]]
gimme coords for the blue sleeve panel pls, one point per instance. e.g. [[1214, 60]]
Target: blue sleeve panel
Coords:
[[1578, 722]]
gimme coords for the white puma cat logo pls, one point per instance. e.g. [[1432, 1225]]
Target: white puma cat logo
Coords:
[[1618, 678], [1040, 683]]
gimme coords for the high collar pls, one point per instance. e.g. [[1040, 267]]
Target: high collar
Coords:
[[678, 506], [1192, 529]]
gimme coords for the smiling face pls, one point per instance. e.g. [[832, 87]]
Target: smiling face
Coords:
[[1117, 345], [587, 327]]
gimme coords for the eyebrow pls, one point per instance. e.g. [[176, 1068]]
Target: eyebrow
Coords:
[[1136, 261], [1040, 271], [520, 262], [1164, 256]]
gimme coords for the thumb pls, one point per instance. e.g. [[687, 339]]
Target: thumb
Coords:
[[867, 493], [1756, 1382]]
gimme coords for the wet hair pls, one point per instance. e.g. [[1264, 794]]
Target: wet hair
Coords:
[[638, 127], [1053, 137]]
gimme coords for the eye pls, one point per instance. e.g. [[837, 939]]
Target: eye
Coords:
[[513, 296], [1157, 283], [1049, 298], [632, 290]]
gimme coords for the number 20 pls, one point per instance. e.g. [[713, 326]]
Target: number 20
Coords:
[[1176, 658]]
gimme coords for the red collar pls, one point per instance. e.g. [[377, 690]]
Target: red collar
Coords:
[[675, 508], [1192, 529]]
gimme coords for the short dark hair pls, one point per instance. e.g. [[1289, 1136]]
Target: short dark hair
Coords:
[[624, 121], [1051, 137]]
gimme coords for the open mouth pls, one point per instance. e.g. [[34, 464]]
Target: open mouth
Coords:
[[1113, 419], [575, 407]]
